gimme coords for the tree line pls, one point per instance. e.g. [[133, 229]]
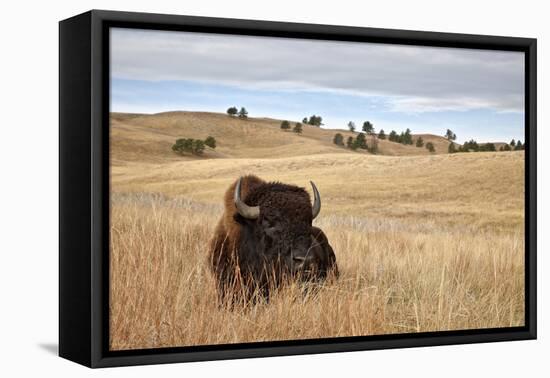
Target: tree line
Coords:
[[360, 141], [513, 146], [313, 120], [473, 146], [233, 111], [285, 125], [405, 137]]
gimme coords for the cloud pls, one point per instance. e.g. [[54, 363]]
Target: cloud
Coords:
[[412, 78]]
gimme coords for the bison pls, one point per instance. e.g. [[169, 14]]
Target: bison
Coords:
[[265, 236]]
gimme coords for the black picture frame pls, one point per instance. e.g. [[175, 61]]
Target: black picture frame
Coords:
[[84, 187]]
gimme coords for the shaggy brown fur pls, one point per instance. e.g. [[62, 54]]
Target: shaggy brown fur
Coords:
[[238, 263]]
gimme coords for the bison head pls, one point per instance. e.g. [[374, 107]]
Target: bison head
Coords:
[[277, 232]]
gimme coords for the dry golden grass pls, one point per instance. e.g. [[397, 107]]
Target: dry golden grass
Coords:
[[480, 189], [139, 138], [423, 243], [394, 278]]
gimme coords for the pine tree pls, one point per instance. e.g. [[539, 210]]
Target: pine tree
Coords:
[[232, 111], [297, 128], [183, 145], [285, 125], [401, 137], [430, 147], [407, 137], [188, 145], [243, 113], [198, 146], [361, 141], [314, 120], [419, 142], [350, 143], [338, 139], [471, 145], [351, 126], [368, 127], [210, 141], [450, 135], [381, 134]]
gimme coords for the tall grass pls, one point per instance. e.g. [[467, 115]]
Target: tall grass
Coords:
[[395, 276]]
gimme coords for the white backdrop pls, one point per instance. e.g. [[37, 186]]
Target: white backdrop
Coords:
[[29, 185]]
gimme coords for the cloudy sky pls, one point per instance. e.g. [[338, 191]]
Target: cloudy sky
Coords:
[[477, 93]]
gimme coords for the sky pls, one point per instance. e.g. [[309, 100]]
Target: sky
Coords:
[[478, 94]]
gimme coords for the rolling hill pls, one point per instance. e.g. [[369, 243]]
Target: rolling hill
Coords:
[[424, 243], [141, 137]]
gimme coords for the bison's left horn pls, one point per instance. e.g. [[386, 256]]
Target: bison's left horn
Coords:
[[316, 209], [249, 212]]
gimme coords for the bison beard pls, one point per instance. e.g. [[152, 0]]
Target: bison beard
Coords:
[[266, 237]]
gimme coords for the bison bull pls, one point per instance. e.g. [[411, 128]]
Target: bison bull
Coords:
[[266, 236]]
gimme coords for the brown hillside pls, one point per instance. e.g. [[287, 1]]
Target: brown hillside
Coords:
[[144, 137], [150, 137], [423, 243]]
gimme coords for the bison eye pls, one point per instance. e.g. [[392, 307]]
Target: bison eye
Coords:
[[298, 259]]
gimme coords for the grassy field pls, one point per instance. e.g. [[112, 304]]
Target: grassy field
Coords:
[[148, 138], [423, 242]]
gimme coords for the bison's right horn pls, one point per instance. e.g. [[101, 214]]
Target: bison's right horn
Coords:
[[249, 212], [316, 209]]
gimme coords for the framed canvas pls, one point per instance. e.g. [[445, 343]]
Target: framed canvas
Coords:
[[236, 188]]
